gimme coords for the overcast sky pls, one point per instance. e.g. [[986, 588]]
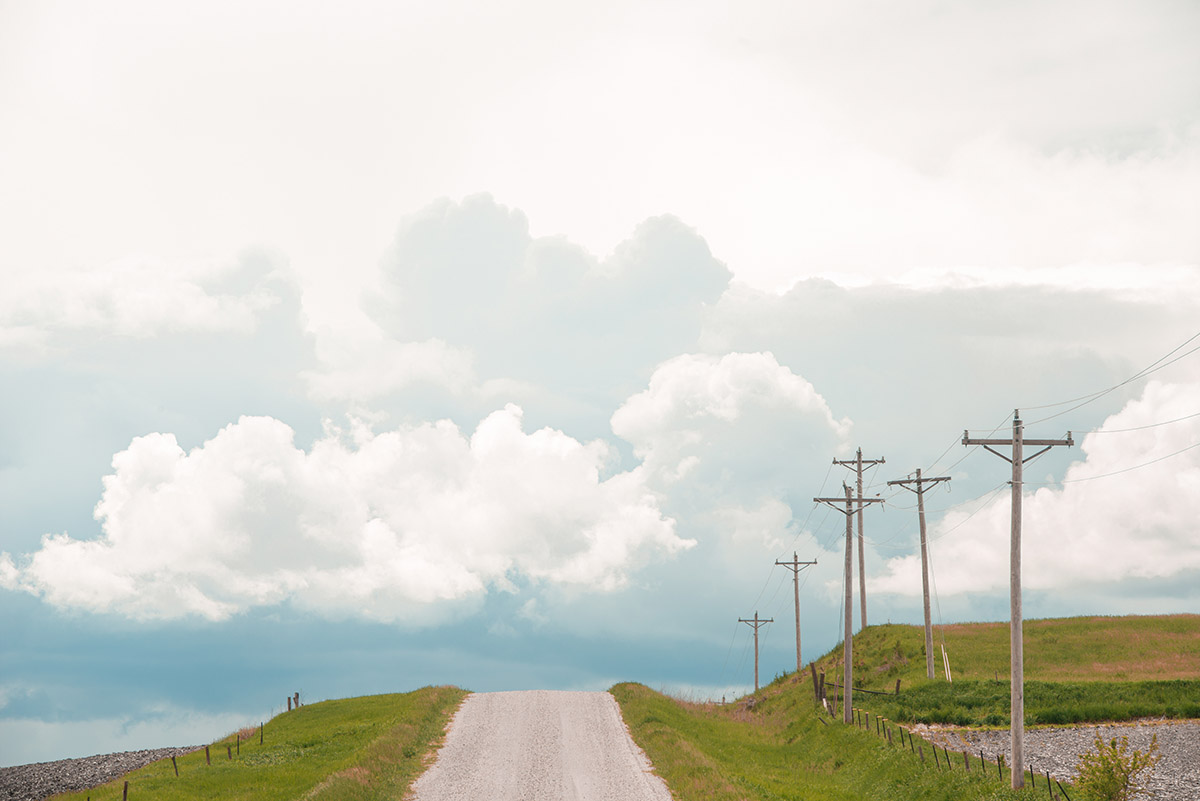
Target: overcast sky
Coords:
[[507, 345]]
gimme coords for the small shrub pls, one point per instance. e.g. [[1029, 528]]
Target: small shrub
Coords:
[[1114, 773]]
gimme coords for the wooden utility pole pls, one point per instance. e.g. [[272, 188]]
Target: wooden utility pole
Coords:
[[796, 566], [848, 640], [1016, 640], [858, 463], [755, 623], [920, 490]]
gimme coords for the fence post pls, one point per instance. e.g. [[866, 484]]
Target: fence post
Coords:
[[174, 765], [125, 792], [207, 758], [260, 733], [812, 666]]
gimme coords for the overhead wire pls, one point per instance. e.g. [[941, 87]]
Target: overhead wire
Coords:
[[1153, 367]]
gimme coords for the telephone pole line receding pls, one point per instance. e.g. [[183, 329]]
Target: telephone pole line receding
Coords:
[[858, 463], [796, 566], [848, 639], [755, 623], [1016, 640], [920, 490]]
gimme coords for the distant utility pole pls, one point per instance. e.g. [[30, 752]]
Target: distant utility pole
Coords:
[[755, 623], [1016, 640], [796, 566], [848, 640], [920, 490], [858, 463]]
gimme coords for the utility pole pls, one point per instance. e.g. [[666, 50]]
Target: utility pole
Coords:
[[848, 639], [796, 566], [755, 623], [920, 490], [858, 463], [1016, 640]]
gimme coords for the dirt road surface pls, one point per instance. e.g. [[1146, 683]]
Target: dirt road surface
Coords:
[[538, 744]]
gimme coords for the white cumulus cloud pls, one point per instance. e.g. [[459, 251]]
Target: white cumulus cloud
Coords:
[[741, 413], [375, 525]]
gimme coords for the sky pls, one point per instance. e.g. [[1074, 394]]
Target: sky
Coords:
[[351, 350]]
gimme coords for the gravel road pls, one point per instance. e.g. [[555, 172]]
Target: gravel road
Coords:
[[539, 744], [43, 779], [1175, 778]]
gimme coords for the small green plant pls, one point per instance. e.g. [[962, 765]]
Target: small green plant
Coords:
[[1114, 773]]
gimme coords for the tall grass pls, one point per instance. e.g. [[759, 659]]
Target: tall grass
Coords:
[[1080, 649], [776, 748], [987, 703], [358, 749]]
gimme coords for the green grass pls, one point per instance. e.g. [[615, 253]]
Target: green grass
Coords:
[[778, 749], [1077, 670], [986, 703], [1079, 649], [359, 748]]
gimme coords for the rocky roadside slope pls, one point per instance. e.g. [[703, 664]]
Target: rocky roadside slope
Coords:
[[44, 779], [1175, 778]]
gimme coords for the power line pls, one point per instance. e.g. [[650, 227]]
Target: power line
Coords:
[[1115, 472], [1153, 367], [1143, 428]]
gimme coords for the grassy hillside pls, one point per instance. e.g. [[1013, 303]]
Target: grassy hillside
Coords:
[[1076, 649], [359, 748], [1076, 670], [778, 749]]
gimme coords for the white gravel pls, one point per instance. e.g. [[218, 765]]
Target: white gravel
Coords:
[[539, 744], [1175, 778]]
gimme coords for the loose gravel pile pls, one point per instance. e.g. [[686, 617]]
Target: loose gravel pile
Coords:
[[1176, 777], [44, 779]]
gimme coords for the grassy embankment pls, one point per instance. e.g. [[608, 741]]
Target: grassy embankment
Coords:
[[358, 749], [778, 749], [1077, 670]]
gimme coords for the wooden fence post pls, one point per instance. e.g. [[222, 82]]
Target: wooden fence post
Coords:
[[812, 666], [125, 792], [175, 766], [207, 758], [260, 733]]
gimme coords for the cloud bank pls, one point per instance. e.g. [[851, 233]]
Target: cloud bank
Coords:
[[372, 525]]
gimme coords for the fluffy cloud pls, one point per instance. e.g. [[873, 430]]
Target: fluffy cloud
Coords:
[[140, 298], [376, 525], [1125, 511], [542, 312], [726, 441]]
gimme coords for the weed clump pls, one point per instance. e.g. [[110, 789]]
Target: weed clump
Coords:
[[1114, 773]]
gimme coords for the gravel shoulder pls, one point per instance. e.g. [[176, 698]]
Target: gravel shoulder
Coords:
[[1176, 777], [540, 744], [44, 779]]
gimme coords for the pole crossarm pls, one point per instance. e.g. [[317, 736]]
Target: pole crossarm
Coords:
[[854, 462], [795, 564], [831, 501], [904, 482]]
